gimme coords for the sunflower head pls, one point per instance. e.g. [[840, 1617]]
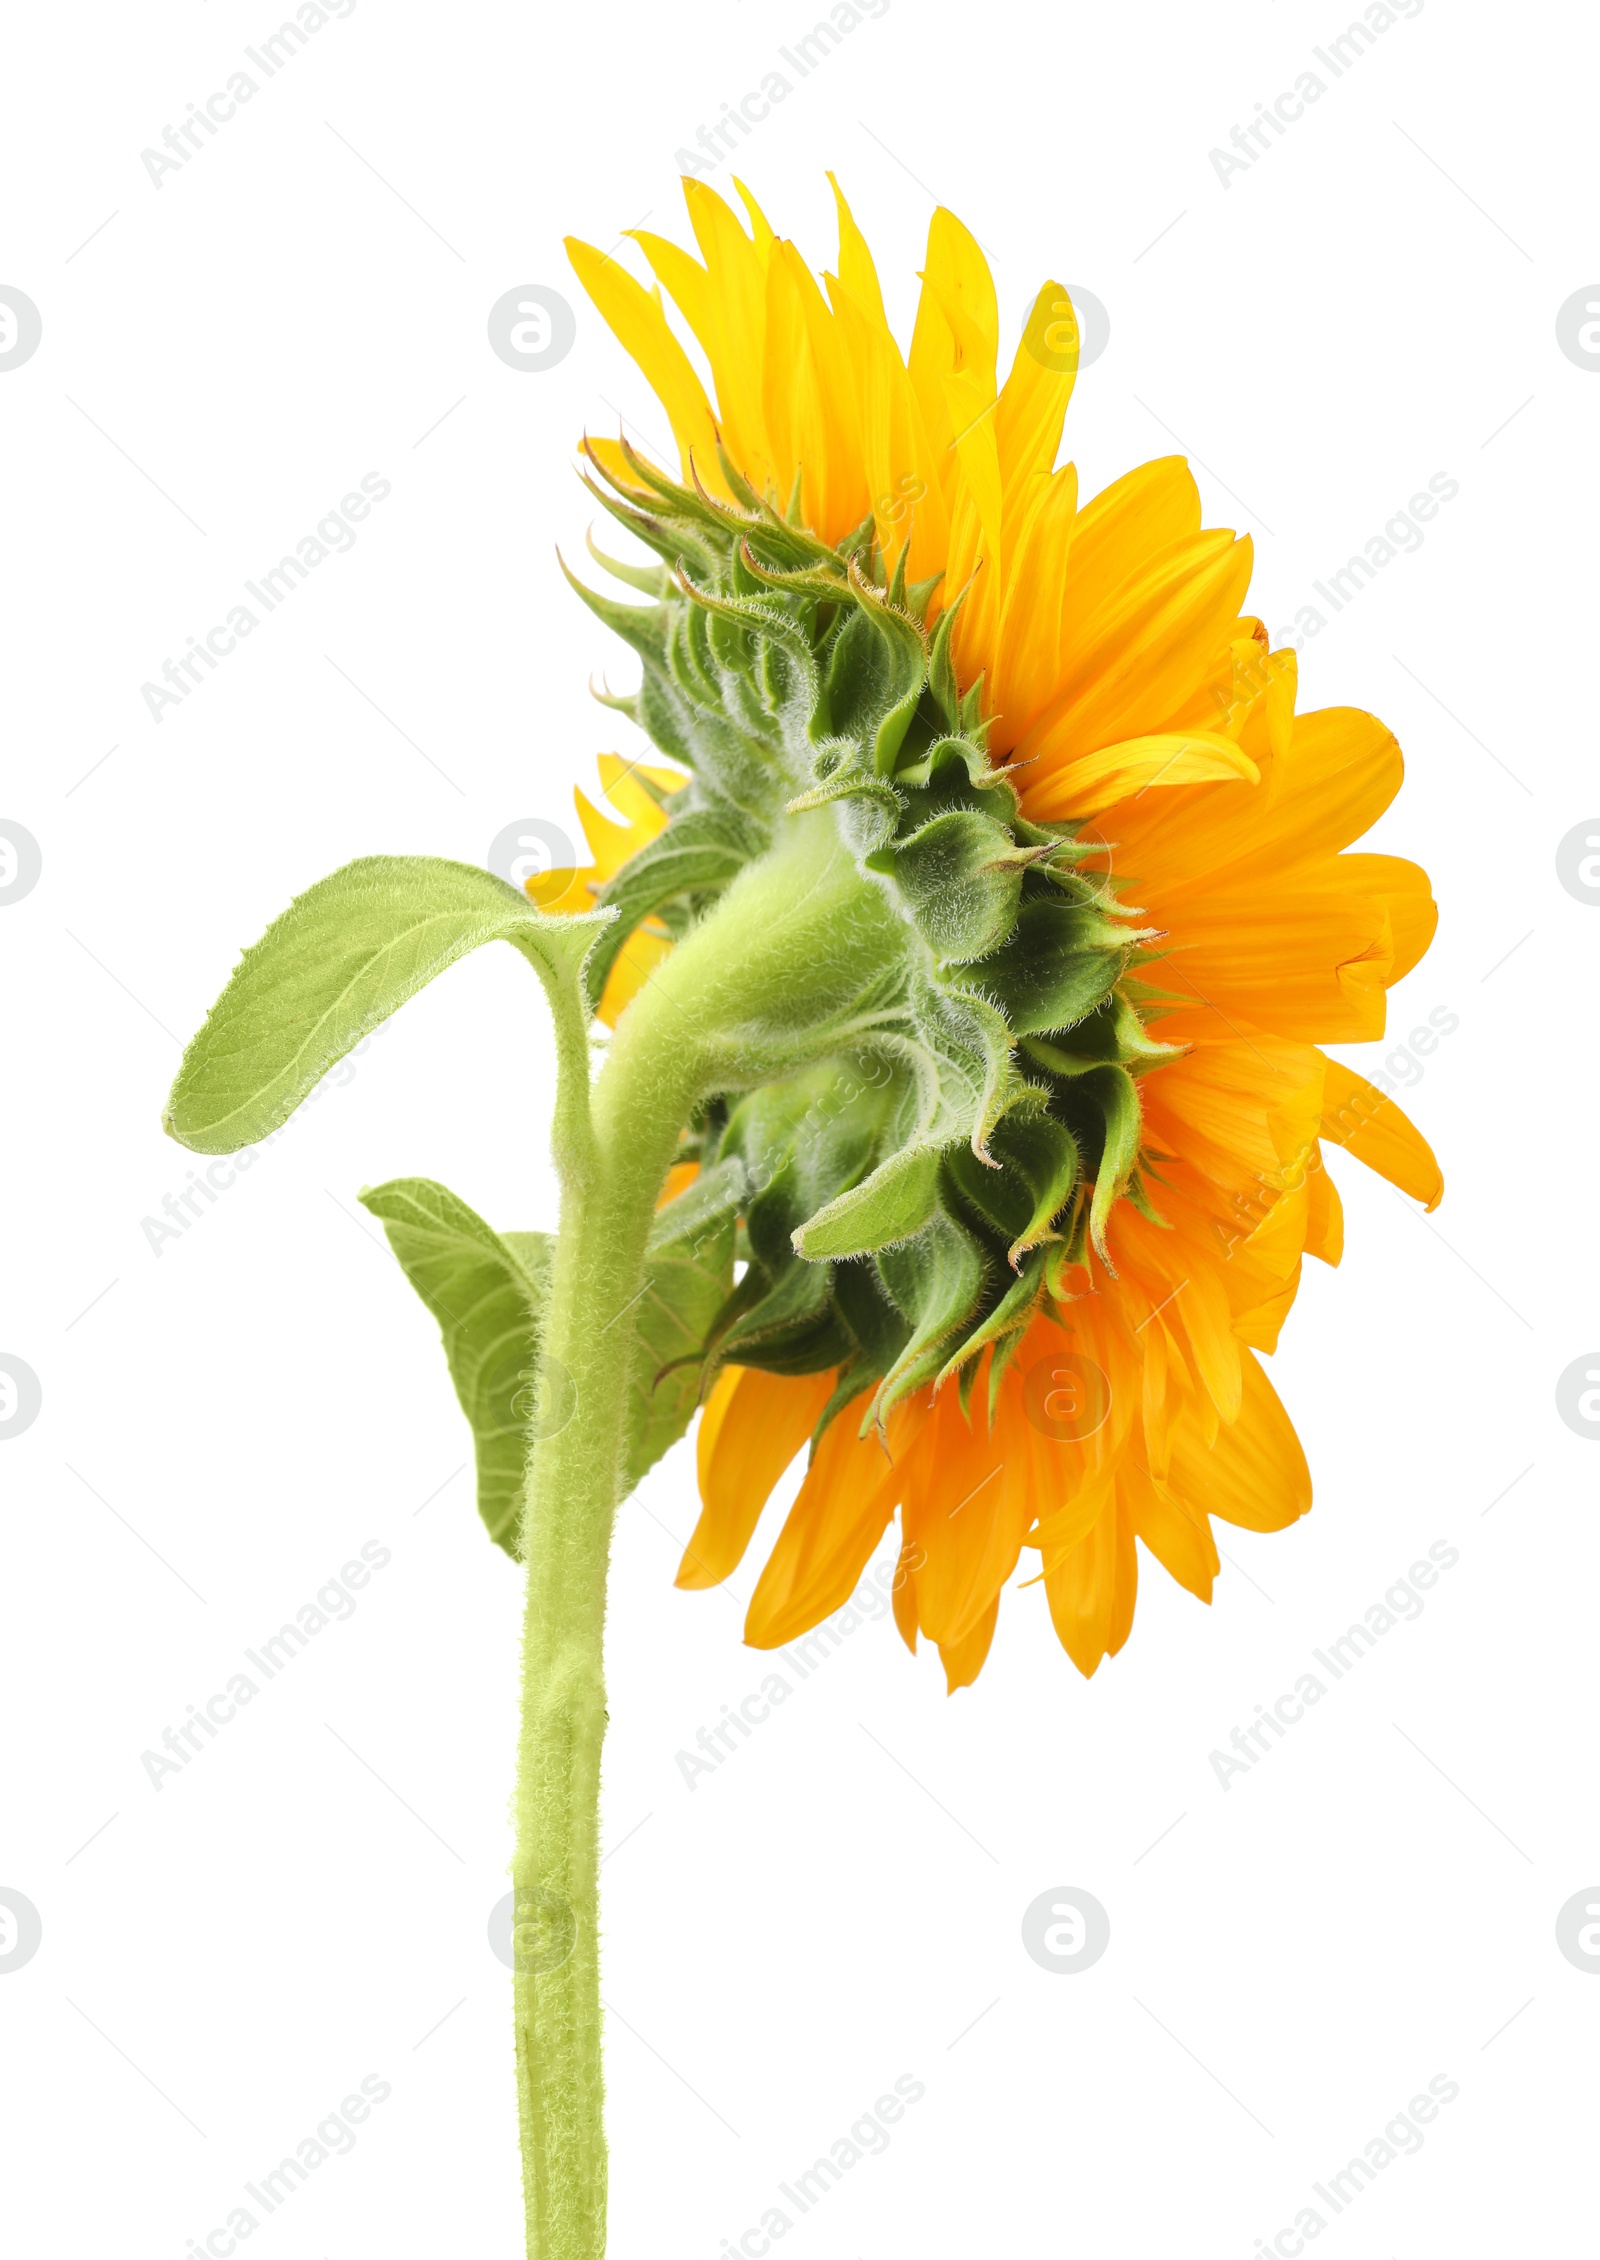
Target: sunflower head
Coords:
[[1018, 1216]]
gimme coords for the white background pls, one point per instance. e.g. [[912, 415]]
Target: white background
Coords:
[[225, 1423]]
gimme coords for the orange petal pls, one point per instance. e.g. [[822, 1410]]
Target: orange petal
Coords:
[[1178, 1536], [679, 1178], [1369, 1125], [751, 1428], [1291, 958], [1255, 1474], [904, 1596], [968, 1500], [1406, 893], [826, 1541], [1091, 1591], [963, 1659]]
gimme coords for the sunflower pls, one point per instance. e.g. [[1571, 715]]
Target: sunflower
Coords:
[[1115, 839]]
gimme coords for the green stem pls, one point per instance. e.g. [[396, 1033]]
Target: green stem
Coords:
[[762, 984], [574, 1485]]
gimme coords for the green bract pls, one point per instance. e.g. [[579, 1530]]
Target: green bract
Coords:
[[972, 1135]]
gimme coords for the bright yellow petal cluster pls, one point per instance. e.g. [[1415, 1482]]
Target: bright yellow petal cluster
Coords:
[[1126, 684]]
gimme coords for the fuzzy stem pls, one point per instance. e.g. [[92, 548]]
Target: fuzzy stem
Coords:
[[574, 1484], [766, 981]]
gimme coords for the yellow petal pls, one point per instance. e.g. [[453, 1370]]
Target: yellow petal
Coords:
[[1135, 519], [760, 225], [634, 964], [1141, 647], [1096, 780], [639, 321], [856, 270], [954, 270], [1034, 397], [1338, 774], [1325, 1222]]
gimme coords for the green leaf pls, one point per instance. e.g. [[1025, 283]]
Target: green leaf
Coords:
[[803, 1142], [340, 960], [487, 1291]]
